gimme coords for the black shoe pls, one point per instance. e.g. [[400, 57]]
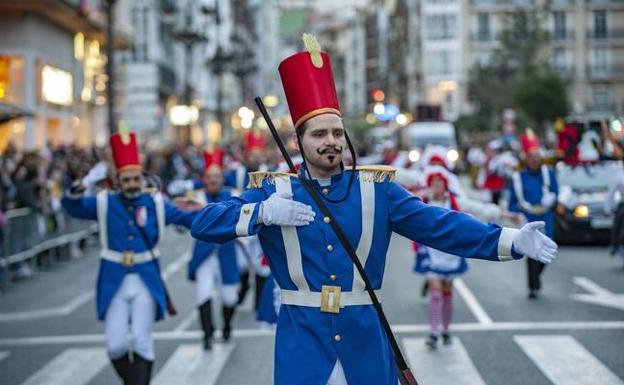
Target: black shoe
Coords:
[[123, 367], [228, 314], [205, 319], [532, 294], [244, 288], [425, 289], [446, 339], [432, 341], [142, 370]]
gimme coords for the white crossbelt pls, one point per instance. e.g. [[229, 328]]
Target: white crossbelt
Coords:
[[118, 257], [313, 298]]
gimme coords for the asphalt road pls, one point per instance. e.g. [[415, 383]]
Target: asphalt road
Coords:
[[573, 334]]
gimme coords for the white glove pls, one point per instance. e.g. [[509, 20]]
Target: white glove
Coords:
[[279, 209], [532, 243], [96, 174], [548, 199], [178, 187]]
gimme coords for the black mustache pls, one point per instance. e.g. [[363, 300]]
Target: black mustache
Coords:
[[334, 150]]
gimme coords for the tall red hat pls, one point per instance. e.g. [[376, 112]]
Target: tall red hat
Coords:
[[437, 174], [530, 142], [125, 150], [213, 158], [308, 83], [254, 141]]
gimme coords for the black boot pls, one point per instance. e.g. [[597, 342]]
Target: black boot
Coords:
[[123, 367], [259, 286], [205, 320], [228, 314], [424, 289], [142, 370], [244, 288]]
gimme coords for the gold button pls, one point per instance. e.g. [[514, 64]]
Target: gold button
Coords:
[[325, 191], [326, 219], [246, 210], [332, 277], [330, 248], [337, 338]]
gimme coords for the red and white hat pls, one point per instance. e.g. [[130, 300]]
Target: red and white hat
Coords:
[[125, 150], [254, 141], [213, 158], [435, 154], [308, 83], [530, 142], [437, 172]]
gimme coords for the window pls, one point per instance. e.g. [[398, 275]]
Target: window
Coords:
[[600, 98], [12, 80], [559, 59], [483, 26], [600, 24], [439, 63], [559, 30], [442, 26], [600, 60]]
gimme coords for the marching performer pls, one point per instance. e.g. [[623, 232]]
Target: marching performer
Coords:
[[213, 267], [328, 332], [534, 193], [443, 267], [249, 253], [130, 291]]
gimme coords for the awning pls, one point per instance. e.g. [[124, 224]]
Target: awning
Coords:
[[9, 112]]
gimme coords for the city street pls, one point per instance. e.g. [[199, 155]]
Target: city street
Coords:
[[573, 334]]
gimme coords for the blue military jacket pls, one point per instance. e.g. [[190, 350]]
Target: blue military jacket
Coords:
[[226, 251], [308, 341], [526, 193], [119, 233]]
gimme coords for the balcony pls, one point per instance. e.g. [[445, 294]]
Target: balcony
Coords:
[[610, 73], [501, 5], [561, 36], [608, 37], [566, 71]]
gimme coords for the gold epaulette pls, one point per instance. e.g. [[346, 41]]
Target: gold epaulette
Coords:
[[150, 190], [257, 177], [376, 172]]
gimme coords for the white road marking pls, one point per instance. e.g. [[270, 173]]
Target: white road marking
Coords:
[[264, 332], [565, 361], [186, 321], [190, 364], [72, 305], [471, 301], [72, 367], [58, 311], [4, 355], [598, 294], [445, 365]]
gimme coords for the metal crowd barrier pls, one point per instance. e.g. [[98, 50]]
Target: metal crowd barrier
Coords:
[[27, 234]]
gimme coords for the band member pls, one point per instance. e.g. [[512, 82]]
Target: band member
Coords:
[[327, 331], [534, 193], [213, 267], [131, 295]]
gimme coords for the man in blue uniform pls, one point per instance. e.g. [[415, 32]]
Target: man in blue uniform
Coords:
[[534, 193], [213, 266], [327, 331], [130, 291]]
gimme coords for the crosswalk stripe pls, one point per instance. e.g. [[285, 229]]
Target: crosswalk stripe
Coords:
[[4, 354], [445, 365], [190, 365], [72, 367], [565, 361]]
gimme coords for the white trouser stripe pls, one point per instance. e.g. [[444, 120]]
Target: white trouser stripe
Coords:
[[72, 367], [565, 361], [450, 365], [367, 192], [190, 365], [102, 210], [291, 242]]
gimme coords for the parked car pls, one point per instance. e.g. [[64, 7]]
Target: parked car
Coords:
[[582, 193]]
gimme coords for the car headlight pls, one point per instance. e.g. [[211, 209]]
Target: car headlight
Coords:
[[581, 211], [452, 155], [414, 155]]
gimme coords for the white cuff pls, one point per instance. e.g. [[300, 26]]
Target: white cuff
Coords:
[[246, 212], [505, 241]]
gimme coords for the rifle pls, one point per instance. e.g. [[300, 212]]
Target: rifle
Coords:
[[406, 377]]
